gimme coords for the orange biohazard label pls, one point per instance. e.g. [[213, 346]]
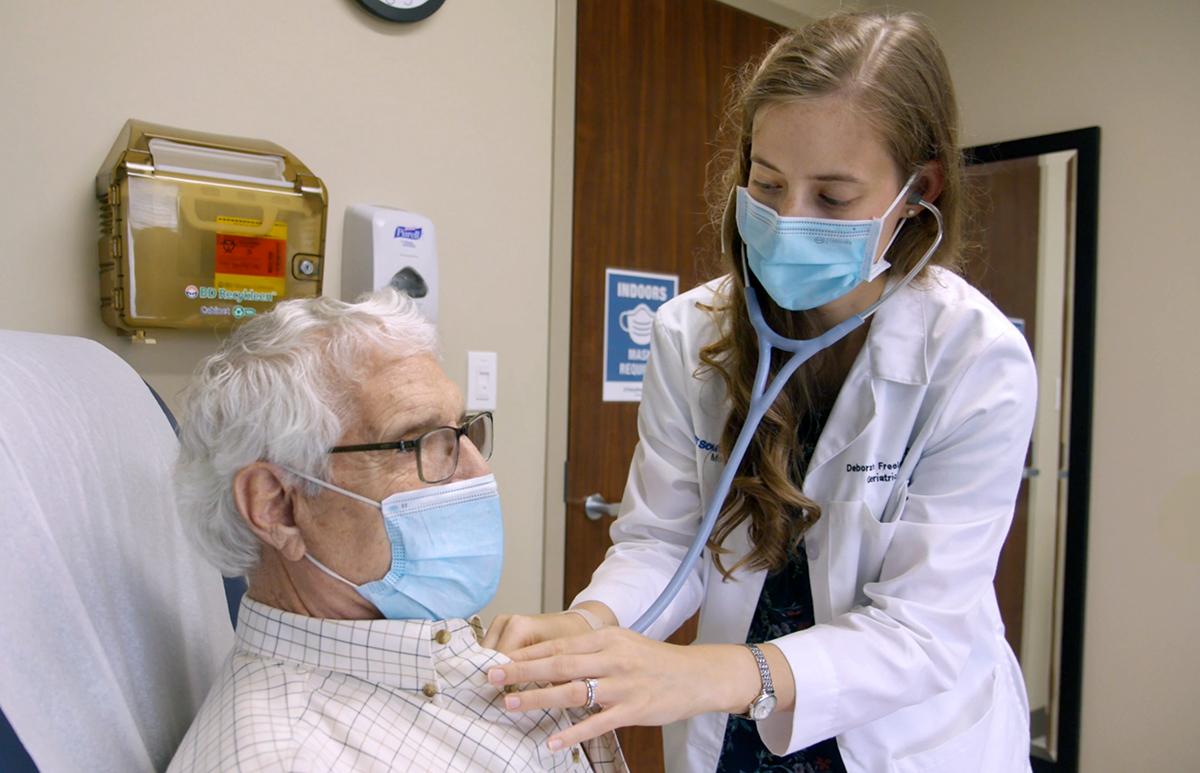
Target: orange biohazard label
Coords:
[[253, 263]]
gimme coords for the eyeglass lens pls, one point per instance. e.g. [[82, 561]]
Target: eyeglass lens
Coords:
[[480, 433], [437, 450]]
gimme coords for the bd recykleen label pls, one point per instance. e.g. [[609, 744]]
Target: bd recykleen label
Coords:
[[251, 265]]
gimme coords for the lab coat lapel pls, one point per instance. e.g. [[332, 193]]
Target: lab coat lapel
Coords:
[[894, 351], [897, 340], [852, 413]]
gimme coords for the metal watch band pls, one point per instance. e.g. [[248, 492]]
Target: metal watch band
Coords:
[[763, 671]]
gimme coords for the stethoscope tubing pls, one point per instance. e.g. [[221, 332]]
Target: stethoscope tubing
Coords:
[[762, 397]]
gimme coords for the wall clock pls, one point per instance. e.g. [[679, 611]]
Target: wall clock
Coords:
[[404, 11]]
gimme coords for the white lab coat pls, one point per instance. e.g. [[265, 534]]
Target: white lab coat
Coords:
[[917, 472]]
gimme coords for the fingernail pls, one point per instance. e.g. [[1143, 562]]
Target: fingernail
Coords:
[[496, 675], [512, 702], [555, 744]]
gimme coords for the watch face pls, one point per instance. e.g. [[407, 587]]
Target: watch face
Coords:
[[402, 10], [762, 707]]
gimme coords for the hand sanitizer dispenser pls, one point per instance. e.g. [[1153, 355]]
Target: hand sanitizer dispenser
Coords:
[[384, 246]]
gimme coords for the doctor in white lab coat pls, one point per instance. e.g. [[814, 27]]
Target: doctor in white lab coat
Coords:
[[897, 513]]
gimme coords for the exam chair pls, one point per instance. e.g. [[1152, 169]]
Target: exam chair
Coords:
[[112, 628]]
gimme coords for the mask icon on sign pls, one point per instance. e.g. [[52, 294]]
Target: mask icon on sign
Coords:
[[637, 322]]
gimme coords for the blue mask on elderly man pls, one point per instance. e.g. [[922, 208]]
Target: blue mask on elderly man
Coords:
[[447, 550]]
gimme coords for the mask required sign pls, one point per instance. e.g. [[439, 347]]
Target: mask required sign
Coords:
[[631, 300]]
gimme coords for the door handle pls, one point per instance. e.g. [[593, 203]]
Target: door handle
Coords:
[[595, 508]]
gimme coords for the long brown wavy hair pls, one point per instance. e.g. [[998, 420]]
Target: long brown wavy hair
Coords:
[[891, 69]]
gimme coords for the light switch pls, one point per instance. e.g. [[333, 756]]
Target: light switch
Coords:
[[481, 381]]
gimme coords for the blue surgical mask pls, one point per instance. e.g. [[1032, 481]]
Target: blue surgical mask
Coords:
[[806, 262], [447, 550]]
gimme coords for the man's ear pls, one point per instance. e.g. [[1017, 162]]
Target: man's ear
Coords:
[[266, 506], [930, 180]]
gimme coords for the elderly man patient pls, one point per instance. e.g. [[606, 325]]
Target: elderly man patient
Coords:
[[326, 456]]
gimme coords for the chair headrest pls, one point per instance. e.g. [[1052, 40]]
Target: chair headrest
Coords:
[[113, 626]]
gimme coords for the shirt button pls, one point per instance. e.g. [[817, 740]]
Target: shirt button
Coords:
[[813, 549], [430, 690], [442, 637]]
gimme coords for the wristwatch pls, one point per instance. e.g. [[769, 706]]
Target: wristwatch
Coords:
[[762, 706]]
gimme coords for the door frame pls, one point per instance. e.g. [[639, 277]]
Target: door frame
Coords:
[[558, 371], [562, 203]]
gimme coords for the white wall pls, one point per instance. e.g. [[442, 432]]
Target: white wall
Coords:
[[450, 117]]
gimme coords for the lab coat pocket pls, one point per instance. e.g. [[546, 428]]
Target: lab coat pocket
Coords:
[[965, 749], [858, 543]]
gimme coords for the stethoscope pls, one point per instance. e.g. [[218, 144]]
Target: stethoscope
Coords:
[[763, 396]]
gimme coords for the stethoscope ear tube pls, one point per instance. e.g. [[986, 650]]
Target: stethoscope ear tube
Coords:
[[761, 399], [937, 242]]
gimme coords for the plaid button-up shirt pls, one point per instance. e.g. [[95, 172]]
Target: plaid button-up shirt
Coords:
[[306, 694]]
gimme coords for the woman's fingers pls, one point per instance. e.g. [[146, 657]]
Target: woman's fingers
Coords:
[[572, 695], [495, 631], [592, 727], [510, 633], [556, 670], [556, 660], [566, 695]]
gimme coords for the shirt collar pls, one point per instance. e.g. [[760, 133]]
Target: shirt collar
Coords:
[[396, 653]]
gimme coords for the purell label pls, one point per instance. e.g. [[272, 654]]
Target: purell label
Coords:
[[408, 233]]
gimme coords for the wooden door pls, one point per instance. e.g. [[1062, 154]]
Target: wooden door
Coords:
[[652, 82], [1005, 268]]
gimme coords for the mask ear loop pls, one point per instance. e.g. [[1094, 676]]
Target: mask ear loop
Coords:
[[910, 197], [332, 487], [913, 198], [339, 490], [328, 571]]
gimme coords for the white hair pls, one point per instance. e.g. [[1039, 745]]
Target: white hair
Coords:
[[278, 390]]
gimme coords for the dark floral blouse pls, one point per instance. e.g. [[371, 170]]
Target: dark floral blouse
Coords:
[[784, 606]]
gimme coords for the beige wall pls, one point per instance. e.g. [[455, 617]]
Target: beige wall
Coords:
[[451, 117]]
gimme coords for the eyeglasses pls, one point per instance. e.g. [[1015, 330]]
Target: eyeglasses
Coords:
[[437, 449]]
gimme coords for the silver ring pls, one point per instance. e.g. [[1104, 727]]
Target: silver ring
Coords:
[[591, 696]]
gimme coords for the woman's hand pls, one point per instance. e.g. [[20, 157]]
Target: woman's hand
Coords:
[[639, 681]]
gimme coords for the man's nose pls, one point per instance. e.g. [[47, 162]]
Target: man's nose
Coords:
[[471, 463]]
